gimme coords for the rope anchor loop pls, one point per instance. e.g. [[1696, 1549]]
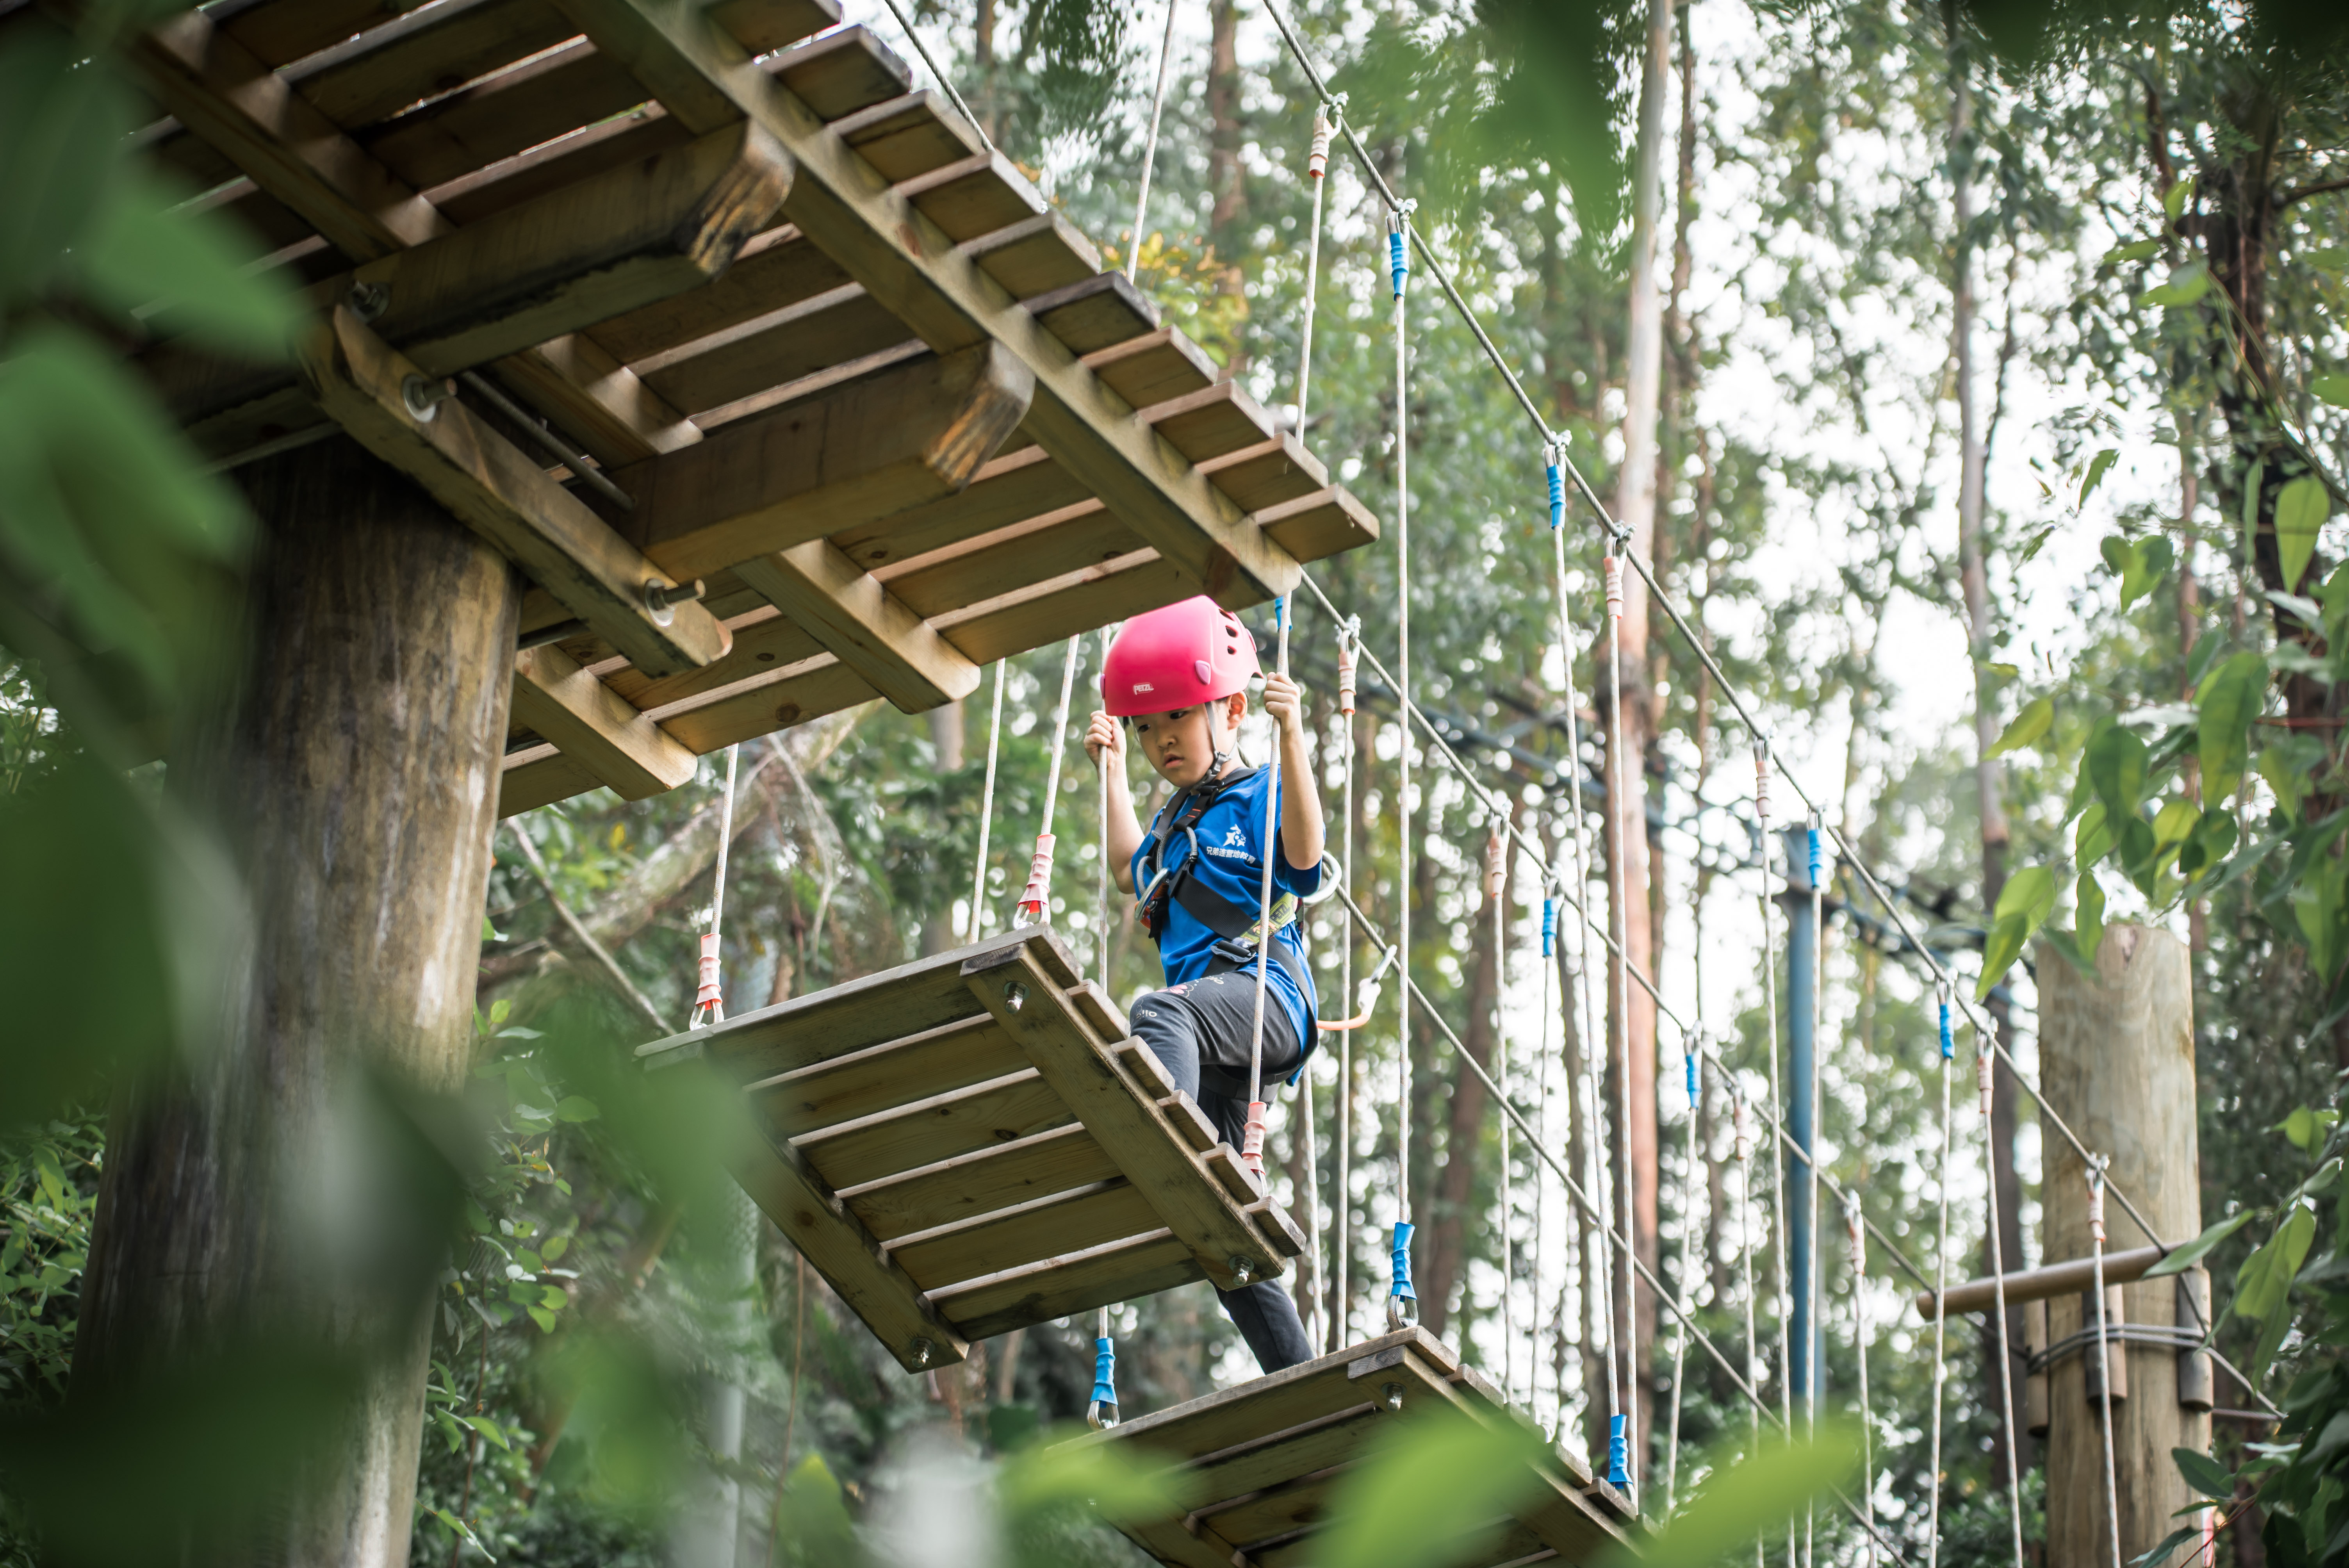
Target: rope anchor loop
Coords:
[[1101, 1414], [1402, 1301], [1949, 1044]]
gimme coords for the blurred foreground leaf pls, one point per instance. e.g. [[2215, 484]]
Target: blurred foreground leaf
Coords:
[[1742, 1498], [1430, 1494]]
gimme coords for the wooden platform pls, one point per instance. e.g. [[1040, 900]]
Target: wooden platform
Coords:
[[971, 1144], [851, 368], [1262, 1458]]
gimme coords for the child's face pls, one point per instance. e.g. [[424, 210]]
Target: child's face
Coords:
[[1181, 745]]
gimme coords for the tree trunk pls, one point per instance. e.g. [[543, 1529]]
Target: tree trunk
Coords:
[[1593, 1275], [355, 779], [1628, 712], [1463, 1136], [1227, 178]]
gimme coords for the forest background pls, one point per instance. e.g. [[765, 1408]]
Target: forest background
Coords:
[[1996, 402]]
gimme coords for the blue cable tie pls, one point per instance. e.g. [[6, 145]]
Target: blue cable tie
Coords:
[[1550, 926], [1690, 1058], [1617, 1452], [1556, 498], [1397, 262], [1818, 861], [1949, 1046], [1403, 1262], [1280, 611], [1104, 1371]]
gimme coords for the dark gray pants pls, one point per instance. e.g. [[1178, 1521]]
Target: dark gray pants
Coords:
[[1201, 1033]]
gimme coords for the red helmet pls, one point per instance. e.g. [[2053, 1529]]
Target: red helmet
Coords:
[[1181, 656]]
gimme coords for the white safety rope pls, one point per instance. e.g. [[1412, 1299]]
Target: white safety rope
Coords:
[[1343, 1204], [1814, 1260], [986, 812], [1689, 1237], [1985, 1068], [1859, 1346], [1783, 1293], [2104, 1354], [1252, 1138], [1622, 1467], [1744, 1150], [944, 81], [1497, 884], [1036, 899], [1402, 1301], [1150, 143], [1941, 1293], [708, 1001]]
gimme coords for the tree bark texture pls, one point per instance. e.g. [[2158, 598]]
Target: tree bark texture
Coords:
[[2118, 1064], [355, 780], [1464, 1134]]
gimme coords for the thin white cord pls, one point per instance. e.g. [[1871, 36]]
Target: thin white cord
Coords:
[[1150, 144], [986, 812], [944, 81]]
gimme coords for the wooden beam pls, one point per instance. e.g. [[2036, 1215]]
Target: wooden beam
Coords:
[[910, 265], [782, 1182], [1151, 1153], [504, 496], [599, 730], [818, 465], [841, 605]]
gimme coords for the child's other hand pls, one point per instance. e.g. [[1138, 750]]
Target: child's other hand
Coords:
[[1286, 703], [1105, 734]]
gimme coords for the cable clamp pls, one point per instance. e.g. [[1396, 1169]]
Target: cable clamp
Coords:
[[1761, 779], [1317, 162], [1347, 636]]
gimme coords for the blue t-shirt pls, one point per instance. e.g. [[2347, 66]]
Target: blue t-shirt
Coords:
[[1231, 865]]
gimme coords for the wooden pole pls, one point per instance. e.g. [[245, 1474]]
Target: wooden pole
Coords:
[[353, 780], [2116, 1062]]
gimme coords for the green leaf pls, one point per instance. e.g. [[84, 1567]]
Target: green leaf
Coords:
[[2001, 948], [576, 1107], [459, 1525], [62, 123], [2099, 466], [2091, 841], [2115, 770], [2265, 1280], [183, 269], [1433, 1482], [2027, 727], [1049, 1477], [2160, 1551], [2301, 509], [2316, 899], [489, 1429], [2331, 259], [2174, 199], [2180, 1258], [2300, 1127], [2275, 766], [554, 1248], [553, 1297], [2203, 1473], [2090, 919], [2032, 546], [2333, 388], [2186, 284], [2134, 251], [2029, 893], [543, 1317], [1741, 1501], [2174, 822]]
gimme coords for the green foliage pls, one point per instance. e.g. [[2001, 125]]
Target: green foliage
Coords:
[[48, 1193]]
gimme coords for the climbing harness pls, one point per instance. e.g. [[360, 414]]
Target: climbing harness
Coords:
[[1150, 143], [708, 1004], [2095, 1174], [978, 927], [1036, 899]]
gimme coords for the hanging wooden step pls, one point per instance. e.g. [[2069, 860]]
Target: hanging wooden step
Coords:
[[1258, 1462], [973, 1143]]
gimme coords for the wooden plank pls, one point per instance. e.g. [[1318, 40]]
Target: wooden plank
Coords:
[[1212, 421], [761, 705], [866, 626], [502, 495], [1088, 1217], [570, 708], [1154, 367], [1284, 1455], [908, 135], [1009, 559], [864, 1083], [1267, 474], [773, 272], [837, 1244], [1317, 526], [1015, 986], [218, 89], [1168, 1541], [1190, 1121], [906, 262], [974, 196], [982, 1183], [539, 776], [760, 25], [763, 641], [1273, 1511], [1096, 313], [596, 400], [779, 346], [424, 53], [838, 74], [1143, 1266], [533, 103], [1035, 255], [814, 467], [940, 1127]]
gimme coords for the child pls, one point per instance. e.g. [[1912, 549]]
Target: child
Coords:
[[1179, 675]]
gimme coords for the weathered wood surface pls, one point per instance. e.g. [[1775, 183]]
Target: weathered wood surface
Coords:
[[2117, 1062], [1257, 1464], [1004, 1163], [350, 780]]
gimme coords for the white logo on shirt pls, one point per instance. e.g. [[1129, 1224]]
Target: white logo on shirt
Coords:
[[1234, 837]]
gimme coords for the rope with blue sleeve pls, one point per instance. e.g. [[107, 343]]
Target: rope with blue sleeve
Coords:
[[1102, 1413]]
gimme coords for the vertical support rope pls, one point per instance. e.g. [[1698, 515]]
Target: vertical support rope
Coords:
[[1496, 885], [1150, 143], [1813, 1263], [2103, 1353], [1940, 1295], [1402, 1301], [1985, 1078], [1036, 899], [1252, 1139], [1101, 1411], [1783, 1295], [1541, 1141], [1341, 1208], [1744, 1150], [1859, 1346], [708, 995], [1688, 1047], [1316, 169], [1620, 1467], [986, 813]]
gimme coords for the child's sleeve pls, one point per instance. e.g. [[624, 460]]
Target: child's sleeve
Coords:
[[1288, 878]]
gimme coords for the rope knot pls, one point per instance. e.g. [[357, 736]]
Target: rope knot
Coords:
[[1346, 670], [1985, 1078], [1317, 163], [708, 995], [1613, 567], [1038, 893], [1252, 1140], [1761, 782], [1496, 863]]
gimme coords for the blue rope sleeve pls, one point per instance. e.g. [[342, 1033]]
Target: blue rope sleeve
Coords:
[[1550, 926], [1403, 1262], [1398, 262], [1104, 1371], [1556, 498], [1689, 1059], [1949, 1046], [1818, 860], [1617, 1452]]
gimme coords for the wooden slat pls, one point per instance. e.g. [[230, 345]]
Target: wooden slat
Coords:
[[596, 400], [940, 1127], [1120, 1272], [1000, 563], [1167, 1540], [774, 271], [1035, 255], [1274, 1509], [1283, 1455], [1108, 1100], [777, 346], [865, 450], [425, 53], [981, 1183], [1267, 474], [905, 260], [533, 103], [1317, 526], [1060, 607], [562, 703], [1154, 367], [908, 135], [502, 495], [831, 1238], [866, 1082], [761, 644], [867, 627], [1090, 1216]]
